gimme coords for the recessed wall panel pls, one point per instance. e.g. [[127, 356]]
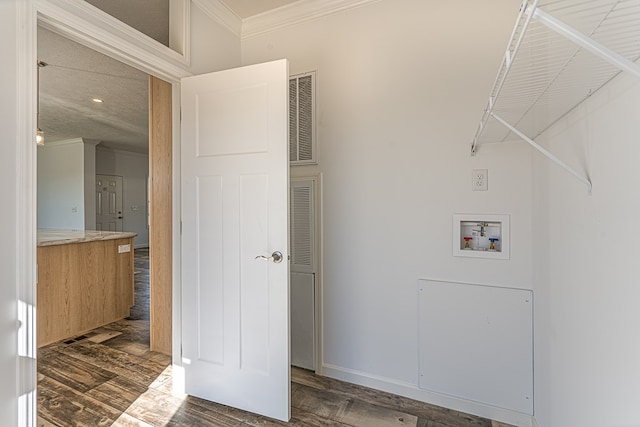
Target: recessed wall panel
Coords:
[[112, 203], [476, 343], [99, 202]]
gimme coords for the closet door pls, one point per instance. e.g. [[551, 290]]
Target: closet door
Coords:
[[302, 276]]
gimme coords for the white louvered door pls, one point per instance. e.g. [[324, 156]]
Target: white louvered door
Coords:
[[302, 221], [302, 249]]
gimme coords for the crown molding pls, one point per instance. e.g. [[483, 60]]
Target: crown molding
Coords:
[[276, 19], [295, 13], [107, 149], [81, 22], [220, 12], [91, 141], [87, 141]]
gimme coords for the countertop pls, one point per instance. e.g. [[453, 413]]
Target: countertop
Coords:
[[51, 237]]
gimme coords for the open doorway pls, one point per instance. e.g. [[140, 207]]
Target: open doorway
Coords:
[[100, 108], [160, 161], [168, 233]]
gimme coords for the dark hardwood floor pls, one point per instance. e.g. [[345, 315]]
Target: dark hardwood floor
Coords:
[[110, 377]]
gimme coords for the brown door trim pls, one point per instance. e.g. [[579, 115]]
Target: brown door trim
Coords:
[[160, 221]]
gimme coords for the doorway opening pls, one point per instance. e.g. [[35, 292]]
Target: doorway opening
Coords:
[[168, 185], [108, 150]]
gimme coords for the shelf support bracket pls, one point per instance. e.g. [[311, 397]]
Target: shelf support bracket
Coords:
[[585, 42], [544, 152], [525, 16]]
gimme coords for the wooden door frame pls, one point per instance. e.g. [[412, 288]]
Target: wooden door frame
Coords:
[[160, 218]]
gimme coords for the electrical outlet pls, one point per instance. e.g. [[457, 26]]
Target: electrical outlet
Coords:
[[480, 180]]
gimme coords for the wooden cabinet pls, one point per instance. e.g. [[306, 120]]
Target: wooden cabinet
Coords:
[[82, 286]]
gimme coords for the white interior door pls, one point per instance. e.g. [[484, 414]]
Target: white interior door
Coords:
[[108, 203], [235, 296]]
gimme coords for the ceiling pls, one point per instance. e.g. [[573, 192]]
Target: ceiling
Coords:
[[75, 75]]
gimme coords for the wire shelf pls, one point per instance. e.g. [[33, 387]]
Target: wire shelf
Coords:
[[544, 75]]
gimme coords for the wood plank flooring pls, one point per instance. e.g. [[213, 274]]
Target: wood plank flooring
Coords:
[[110, 377]]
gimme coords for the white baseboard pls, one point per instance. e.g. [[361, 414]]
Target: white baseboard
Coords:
[[413, 392]]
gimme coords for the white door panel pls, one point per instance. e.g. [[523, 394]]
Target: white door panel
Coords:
[[303, 320], [235, 208]]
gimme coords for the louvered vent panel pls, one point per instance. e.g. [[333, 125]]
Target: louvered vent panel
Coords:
[[302, 227], [293, 119], [305, 118], [302, 119]]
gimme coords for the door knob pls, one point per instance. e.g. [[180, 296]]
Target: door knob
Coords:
[[275, 257]]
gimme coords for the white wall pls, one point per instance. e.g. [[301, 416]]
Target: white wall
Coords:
[[400, 95], [61, 185], [213, 47], [588, 340], [401, 87], [134, 170], [9, 194]]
